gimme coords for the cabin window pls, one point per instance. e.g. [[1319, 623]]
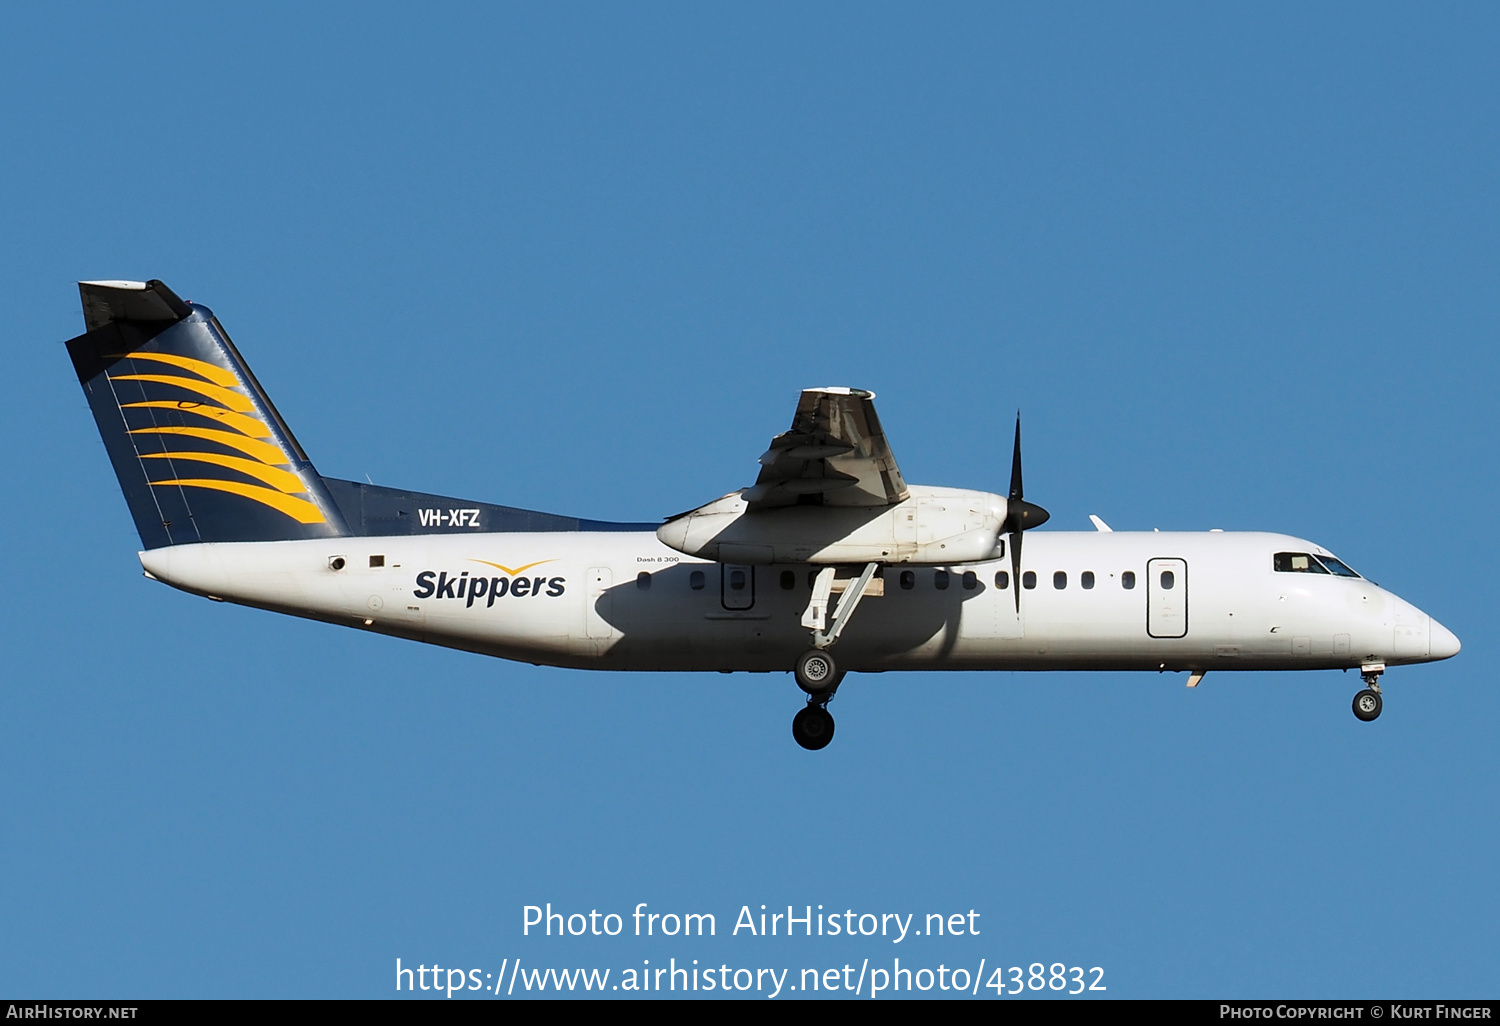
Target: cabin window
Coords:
[[971, 580], [908, 580], [1168, 580], [1086, 579], [1028, 580], [1002, 579], [695, 580], [1127, 580], [940, 580], [643, 580], [377, 561], [788, 580], [1060, 580], [736, 580]]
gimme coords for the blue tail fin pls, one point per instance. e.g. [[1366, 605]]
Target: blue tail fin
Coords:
[[201, 454]]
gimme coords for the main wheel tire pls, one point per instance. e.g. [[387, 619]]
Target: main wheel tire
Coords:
[[813, 728], [1367, 705], [817, 673]]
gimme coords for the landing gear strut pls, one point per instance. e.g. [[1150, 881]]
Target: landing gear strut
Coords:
[[1367, 703]]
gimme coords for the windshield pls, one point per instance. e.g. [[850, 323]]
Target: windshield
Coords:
[[1307, 563], [1337, 567]]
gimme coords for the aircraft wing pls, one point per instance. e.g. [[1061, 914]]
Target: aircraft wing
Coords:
[[834, 455]]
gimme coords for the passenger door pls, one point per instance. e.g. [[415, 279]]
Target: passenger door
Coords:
[[1166, 598]]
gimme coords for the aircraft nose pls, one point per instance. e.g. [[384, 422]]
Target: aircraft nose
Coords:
[[1441, 642]]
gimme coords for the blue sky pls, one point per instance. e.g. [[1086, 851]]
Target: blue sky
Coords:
[[1237, 265]]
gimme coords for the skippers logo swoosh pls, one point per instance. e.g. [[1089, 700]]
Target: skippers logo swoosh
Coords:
[[254, 467], [517, 570]]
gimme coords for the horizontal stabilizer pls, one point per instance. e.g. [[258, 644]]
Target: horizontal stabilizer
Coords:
[[136, 302]]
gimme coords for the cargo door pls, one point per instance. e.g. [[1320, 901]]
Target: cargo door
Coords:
[[601, 580]]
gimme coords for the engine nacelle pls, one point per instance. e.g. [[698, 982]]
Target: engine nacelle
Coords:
[[933, 526]]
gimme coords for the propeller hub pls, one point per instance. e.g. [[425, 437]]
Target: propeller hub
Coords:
[[1026, 515]]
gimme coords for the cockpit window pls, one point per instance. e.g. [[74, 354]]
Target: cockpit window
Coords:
[[1298, 563], [1337, 567], [1307, 563]]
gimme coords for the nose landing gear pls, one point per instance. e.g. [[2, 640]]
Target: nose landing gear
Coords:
[[816, 672], [1367, 703]]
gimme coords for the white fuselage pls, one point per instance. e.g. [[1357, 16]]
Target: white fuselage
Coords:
[[578, 599]]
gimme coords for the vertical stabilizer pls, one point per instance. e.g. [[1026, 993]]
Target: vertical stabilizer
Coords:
[[200, 451]]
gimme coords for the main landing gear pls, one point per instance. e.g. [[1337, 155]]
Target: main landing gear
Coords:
[[1367, 703], [816, 671]]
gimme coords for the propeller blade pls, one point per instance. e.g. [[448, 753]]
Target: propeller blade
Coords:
[[1015, 462], [1015, 568], [1020, 515]]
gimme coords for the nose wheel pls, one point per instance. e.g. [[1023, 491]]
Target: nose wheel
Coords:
[[1367, 705]]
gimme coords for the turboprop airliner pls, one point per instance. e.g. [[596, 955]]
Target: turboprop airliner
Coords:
[[829, 563]]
